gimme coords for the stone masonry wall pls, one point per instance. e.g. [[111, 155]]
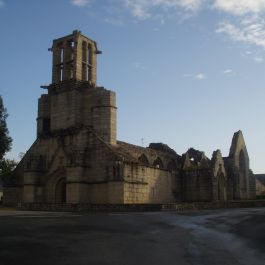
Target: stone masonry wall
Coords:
[[148, 184], [197, 185]]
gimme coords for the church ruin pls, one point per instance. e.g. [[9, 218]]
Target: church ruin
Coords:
[[76, 157]]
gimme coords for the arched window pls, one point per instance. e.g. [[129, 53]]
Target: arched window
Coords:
[[84, 61], [158, 163], [242, 169], [143, 159]]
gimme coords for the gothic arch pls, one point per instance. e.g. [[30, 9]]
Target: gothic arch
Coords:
[[56, 186], [158, 163], [242, 171], [143, 160]]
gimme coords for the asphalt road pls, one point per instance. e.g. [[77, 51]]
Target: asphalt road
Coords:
[[221, 237]]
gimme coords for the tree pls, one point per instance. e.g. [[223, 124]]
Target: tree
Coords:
[[5, 139], [7, 171]]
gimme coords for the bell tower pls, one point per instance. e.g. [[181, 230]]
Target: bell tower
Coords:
[[74, 100], [74, 58]]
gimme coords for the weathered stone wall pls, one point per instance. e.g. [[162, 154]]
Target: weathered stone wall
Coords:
[[260, 188], [239, 162], [148, 184], [197, 185], [252, 185], [74, 104], [104, 115]]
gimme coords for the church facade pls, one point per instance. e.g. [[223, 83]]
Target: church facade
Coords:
[[76, 157]]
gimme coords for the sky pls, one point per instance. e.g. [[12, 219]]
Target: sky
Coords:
[[188, 73]]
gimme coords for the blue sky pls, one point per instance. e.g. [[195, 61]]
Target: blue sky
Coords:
[[188, 73]]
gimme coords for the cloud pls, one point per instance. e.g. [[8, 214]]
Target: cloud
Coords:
[[199, 76], [247, 25], [248, 52], [241, 7], [258, 59], [2, 3], [228, 71], [247, 30], [244, 23], [80, 3], [144, 9]]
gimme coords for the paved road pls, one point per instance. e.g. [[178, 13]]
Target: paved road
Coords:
[[222, 237]]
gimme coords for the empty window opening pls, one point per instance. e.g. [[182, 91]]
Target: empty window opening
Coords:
[[242, 170], [84, 52], [62, 55], [89, 55], [158, 163], [88, 73], [72, 44], [61, 73], [143, 159]]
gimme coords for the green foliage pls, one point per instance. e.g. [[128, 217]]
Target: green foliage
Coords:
[[7, 167], [5, 139]]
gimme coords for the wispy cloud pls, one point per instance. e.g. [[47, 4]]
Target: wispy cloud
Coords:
[[244, 23], [228, 71], [144, 9], [80, 3], [241, 7], [2, 3], [247, 31], [199, 76], [248, 25]]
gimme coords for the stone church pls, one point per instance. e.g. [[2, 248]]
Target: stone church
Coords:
[[76, 157]]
